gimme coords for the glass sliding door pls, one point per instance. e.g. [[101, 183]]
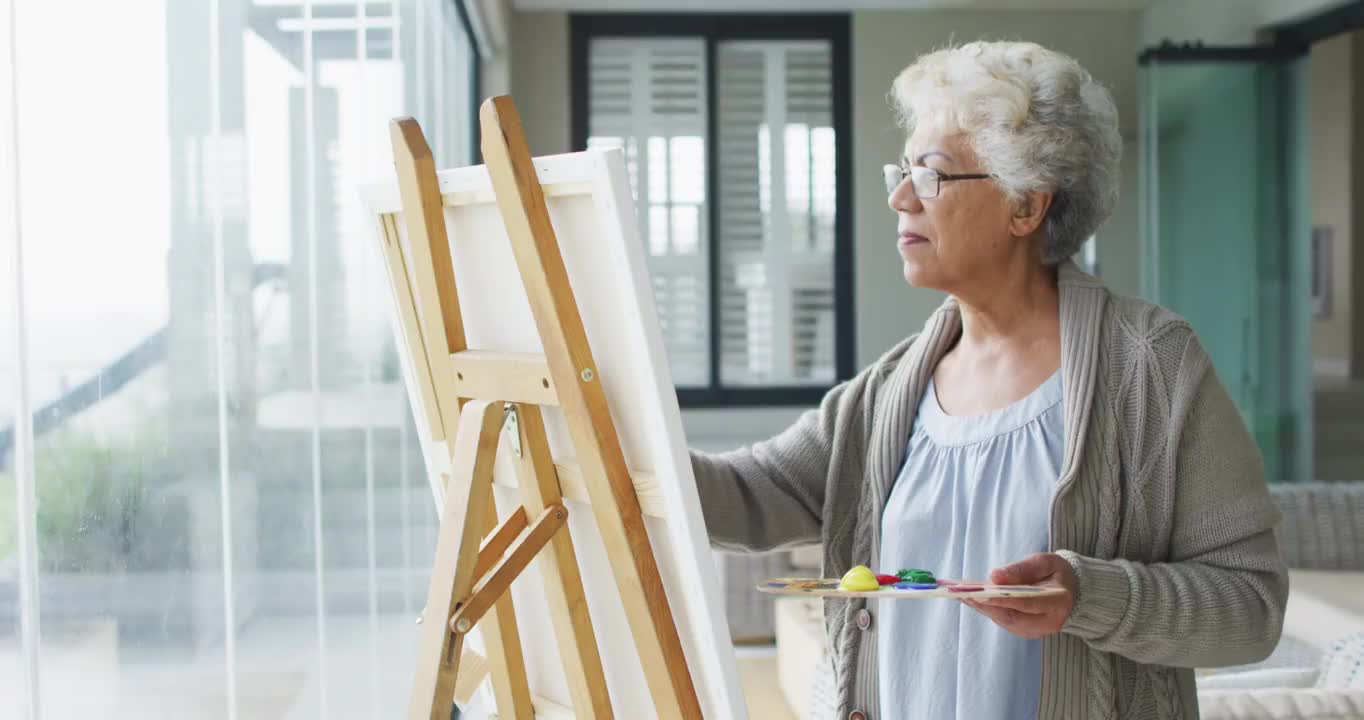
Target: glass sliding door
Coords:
[[212, 498], [1226, 232]]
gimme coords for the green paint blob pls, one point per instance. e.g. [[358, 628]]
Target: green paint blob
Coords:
[[915, 575]]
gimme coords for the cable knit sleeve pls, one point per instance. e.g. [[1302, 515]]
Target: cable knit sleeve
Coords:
[[1218, 598], [771, 494]]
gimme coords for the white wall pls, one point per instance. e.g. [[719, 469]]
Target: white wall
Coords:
[[1355, 256], [1331, 148], [540, 79], [1222, 22], [496, 76], [490, 20]]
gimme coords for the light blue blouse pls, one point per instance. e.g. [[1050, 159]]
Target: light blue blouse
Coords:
[[974, 494]]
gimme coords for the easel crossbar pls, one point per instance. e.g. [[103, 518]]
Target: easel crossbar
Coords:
[[505, 377], [491, 586], [496, 544]]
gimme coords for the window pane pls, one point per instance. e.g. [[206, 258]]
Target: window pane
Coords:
[[210, 355], [647, 96], [127, 518], [13, 683], [1089, 256], [777, 215]]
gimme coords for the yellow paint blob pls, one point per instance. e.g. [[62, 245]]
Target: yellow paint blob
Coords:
[[860, 579]]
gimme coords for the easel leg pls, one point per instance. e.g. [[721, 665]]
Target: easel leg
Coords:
[[615, 503], [503, 642], [467, 500], [578, 650], [496, 583]]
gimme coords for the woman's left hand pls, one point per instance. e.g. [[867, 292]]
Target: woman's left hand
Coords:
[[1031, 617]]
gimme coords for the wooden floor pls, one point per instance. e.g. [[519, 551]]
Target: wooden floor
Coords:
[[758, 673]]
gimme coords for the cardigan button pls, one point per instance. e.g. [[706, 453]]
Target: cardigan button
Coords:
[[857, 715], [864, 619]]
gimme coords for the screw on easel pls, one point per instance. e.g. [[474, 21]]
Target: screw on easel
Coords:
[[462, 625], [587, 374], [558, 514]]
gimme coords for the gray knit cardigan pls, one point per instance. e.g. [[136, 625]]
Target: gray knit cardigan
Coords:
[[1161, 508]]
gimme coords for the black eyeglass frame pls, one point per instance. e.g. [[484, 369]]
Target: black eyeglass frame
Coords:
[[895, 175]]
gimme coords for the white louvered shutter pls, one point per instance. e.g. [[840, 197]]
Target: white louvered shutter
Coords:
[[648, 96], [776, 227], [776, 194]]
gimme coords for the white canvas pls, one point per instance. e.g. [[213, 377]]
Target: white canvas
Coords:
[[589, 201]]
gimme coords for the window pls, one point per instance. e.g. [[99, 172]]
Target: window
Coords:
[[735, 132], [1089, 256], [232, 517]]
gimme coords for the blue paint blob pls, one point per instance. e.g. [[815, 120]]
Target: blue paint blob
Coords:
[[916, 586]]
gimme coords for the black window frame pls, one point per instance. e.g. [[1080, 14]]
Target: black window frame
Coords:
[[715, 28]]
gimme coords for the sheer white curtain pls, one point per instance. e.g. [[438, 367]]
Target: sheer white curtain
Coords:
[[230, 515]]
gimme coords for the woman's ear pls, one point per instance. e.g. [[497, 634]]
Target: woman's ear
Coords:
[[1029, 213]]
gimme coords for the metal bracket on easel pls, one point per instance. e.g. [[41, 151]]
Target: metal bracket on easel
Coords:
[[511, 426]]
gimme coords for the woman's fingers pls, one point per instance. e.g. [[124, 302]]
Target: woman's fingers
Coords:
[[1004, 617], [1030, 626], [1031, 617], [1031, 570], [1029, 605]]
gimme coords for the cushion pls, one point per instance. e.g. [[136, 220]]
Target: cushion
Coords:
[[1281, 704], [1301, 677], [1324, 606], [1343, 667]]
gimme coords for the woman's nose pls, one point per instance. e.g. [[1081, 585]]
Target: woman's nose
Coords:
[[903, 199]]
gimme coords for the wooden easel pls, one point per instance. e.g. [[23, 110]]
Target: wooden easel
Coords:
[[474, 398]]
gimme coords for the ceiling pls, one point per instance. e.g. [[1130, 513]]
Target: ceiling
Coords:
[[822, 5]]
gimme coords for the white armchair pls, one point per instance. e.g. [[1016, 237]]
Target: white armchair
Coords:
[[1317, 671]]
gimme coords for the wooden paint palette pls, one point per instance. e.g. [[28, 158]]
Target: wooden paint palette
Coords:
[[959, 589]]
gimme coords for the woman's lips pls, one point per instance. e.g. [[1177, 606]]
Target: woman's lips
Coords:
[[909, 238]]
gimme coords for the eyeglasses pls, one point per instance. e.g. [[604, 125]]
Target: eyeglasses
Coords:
[[925, 180]]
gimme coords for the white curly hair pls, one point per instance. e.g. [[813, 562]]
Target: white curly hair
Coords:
[[1035, 118]]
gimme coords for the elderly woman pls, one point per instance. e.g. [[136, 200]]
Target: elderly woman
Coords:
[[1039, 430]]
